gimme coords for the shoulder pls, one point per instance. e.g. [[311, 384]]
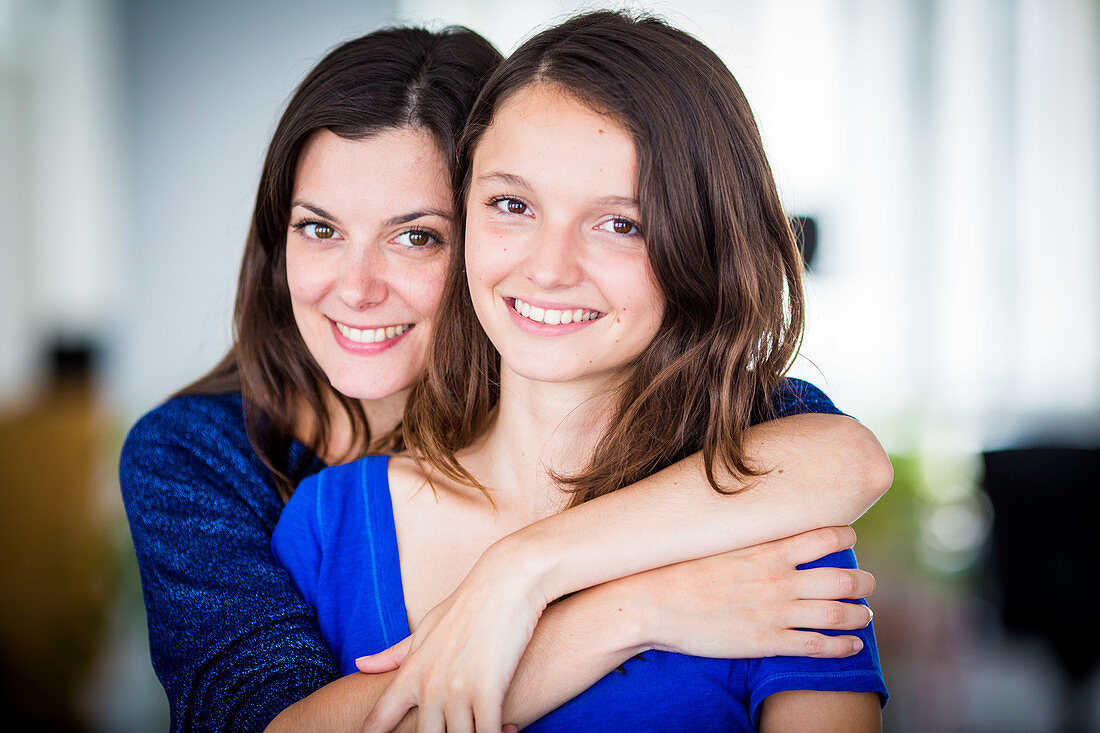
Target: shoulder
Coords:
[[194, 451], [335, 492], [191, 420], [798, 397]]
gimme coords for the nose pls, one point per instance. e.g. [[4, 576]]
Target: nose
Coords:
[[553, 259], [363, 280]]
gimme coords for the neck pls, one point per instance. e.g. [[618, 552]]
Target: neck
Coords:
[[383, 415], [541, 428]]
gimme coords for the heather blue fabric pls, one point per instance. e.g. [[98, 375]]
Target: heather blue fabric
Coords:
[[231, 639], [337, 538]]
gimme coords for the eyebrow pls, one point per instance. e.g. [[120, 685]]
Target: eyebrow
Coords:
[[391, 222], [626, 201], [414, 215], [511, 179], [316, 210]]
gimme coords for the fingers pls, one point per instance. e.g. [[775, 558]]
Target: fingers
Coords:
[[818, 543], [385, 661], [811, 644], [487, 713], [459, 718], [834, 583], [389, 710], [430, 719], [829, 615]]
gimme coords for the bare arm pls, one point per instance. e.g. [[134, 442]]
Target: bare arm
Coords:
[[821, 470], [821, 712], [753, 609]]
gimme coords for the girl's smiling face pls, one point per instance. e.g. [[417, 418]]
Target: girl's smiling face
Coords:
[[366, 256], [555, 249]]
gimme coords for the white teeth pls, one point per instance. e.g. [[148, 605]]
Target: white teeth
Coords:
[[372, 335], [551, 316]]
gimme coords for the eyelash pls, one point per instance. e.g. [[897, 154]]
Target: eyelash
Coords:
[[299, 226], [492, 202], [421, 230], [637, 228]]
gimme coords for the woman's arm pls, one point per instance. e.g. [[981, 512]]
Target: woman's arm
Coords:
[[750, 602], [821, 470], [231, 639], [821, 712]]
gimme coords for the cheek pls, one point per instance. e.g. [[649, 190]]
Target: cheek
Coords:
[[305, 277], [491, 253], [643, 297], [423, 286]]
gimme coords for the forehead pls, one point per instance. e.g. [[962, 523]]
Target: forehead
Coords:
[[388, 166], [546, 129]]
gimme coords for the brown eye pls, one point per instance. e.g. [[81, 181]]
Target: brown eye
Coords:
[[618, 225], [323, 231], [515, 206], [417, 238]]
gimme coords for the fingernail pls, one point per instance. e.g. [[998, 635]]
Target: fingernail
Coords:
[[857, 645], [872, 615]]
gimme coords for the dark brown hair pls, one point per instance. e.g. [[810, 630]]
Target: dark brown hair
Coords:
[[398, 77], [717, 238]]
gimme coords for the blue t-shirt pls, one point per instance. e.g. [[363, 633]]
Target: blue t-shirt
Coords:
[[337, 539]]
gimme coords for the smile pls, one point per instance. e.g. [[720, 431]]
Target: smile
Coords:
[[552, 316], [372, 335]]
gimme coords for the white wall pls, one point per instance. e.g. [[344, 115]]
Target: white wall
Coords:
[[205, 83]]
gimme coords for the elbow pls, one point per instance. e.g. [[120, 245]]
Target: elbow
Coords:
[[869, 467]]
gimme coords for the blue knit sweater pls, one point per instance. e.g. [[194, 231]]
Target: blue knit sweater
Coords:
[[231, 639]]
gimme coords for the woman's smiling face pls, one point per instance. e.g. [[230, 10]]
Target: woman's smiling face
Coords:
[[366, 256], [555, 254]]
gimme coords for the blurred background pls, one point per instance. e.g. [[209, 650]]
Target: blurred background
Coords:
[[944, 156]]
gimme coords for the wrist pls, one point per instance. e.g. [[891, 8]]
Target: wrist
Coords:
[[626, 625], [529, 563], [517, 563]]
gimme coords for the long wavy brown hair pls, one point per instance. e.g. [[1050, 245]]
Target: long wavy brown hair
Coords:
[[398, 77], [718, 241]]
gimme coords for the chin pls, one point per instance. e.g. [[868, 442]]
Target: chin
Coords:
[[361, 389]]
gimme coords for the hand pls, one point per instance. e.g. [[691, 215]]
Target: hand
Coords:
[[753, 602], [457, 665]]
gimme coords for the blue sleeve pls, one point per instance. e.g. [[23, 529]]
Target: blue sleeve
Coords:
[[796, 397], [296, 541], [861, 672], [231, 639]]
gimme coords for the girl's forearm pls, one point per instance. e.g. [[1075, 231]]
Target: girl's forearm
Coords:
[[820, 470], [576, 642]]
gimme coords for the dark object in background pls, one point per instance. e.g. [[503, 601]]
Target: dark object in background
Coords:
[[73, 359], [805, 236], [1046, 549]]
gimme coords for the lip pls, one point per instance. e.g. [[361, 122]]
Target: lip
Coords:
[[365, 349], [544, 329]]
